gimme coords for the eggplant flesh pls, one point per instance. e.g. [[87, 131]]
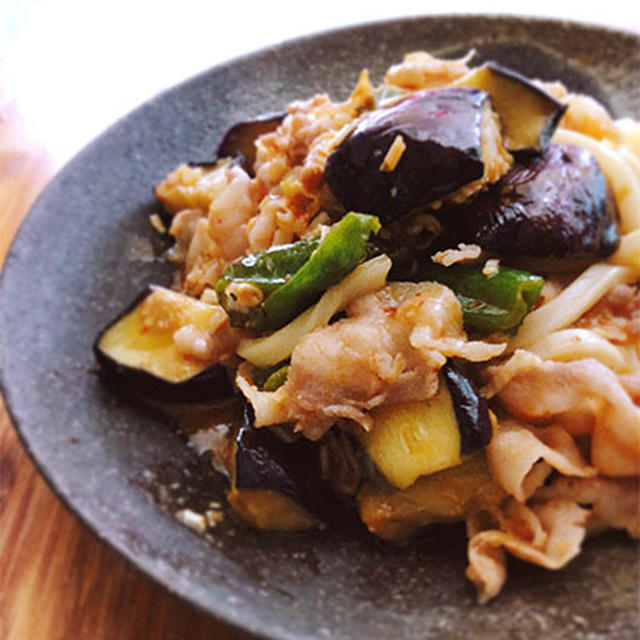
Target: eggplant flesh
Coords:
[[528, 114], [240, 139], [410, 440], [136, 351], [277, 484], [442, 131], [446, 496], [557, 205], [414, 439]]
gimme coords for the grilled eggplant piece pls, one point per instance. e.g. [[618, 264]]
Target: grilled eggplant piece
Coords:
[[137, 351], [446, 496], [415, 439], [240, 139], [277, 485], [529, 115], [472, 412], [444, 133], [555, 205]]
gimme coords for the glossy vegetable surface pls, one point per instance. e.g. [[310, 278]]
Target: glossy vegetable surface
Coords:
[[294, 276], [410, 440], [529, 115], [276, 379], [277, 484], [472, 412], [555, 205], [489, 302], [442, 131], [137, 350], [267, 270]]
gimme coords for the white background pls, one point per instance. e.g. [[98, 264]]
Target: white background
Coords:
[[74, 66]]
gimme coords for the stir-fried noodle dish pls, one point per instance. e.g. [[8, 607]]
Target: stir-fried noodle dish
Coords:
[[420, 305]]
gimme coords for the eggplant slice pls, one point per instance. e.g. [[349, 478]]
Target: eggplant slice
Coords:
[[529, 115], [239, 142], [554, 205], [397, 515], [471, 409], [415, 439], [444, 134], [137, 352], [240, 139], [277, 484]]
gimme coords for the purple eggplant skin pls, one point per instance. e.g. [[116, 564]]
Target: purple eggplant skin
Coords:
[[470, 408], [529, 114], [239, 140], [442, 130], [210, 385], [263, 461], [557, 205]]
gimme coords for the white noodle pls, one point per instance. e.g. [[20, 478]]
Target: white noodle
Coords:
[[632, 353], [631, 130], [628, 252], [631, 159], [576, 344], [572, 302]]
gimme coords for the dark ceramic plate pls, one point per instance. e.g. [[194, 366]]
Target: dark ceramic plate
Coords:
[[83, 253]]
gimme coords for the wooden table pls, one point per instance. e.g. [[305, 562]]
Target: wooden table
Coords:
[[57, 581]]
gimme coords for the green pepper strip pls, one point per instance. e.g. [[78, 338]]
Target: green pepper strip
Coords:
[[269, 269], [276, 379], [293, 276], [489, 303]]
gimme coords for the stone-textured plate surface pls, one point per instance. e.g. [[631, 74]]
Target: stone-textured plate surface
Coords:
[[83, 253]]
